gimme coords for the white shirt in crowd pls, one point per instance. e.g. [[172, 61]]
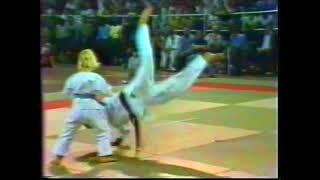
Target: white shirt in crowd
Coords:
[[266, 43], [87, 12], [100, 6], [173, 43]]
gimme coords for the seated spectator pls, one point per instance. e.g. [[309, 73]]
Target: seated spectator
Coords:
[[267, 20], [170, 51], [216, 44], [199, 41], [266, 42], [235, 52], [265, 59], [185, 49], [47, 59], [103, 32]]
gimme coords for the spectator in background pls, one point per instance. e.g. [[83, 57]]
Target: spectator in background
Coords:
[[87, 34], [221, 7], [88, 9], [101, 6], [63, 33], [161, 21], [70, 7], [265, 59], [216, 44], [158, 44], [102, 36], [46, 56], [266, 42], [199, 41], [77, 23], [235, 52], [103, 31], [213, 20], [185, 49], [267, 20], [233, 5], [250, 22], [200, 9], [170, 51], [207, 6]]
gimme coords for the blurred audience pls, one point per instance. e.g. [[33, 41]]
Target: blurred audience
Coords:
[[185, 49], [265, 61], [245, 48], [47, 56], [168, 56], [90, 7], [236, 51]]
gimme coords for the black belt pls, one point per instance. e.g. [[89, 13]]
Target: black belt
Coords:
[[88, 96], [132, 117]]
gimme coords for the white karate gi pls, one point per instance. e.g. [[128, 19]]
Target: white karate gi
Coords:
[[85, 111], [142, 91]]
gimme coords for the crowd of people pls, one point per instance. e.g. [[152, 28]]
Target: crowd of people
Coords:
[[116, 7], [247, 50]]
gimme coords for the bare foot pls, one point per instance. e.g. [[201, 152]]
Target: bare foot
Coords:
[[213, 57]]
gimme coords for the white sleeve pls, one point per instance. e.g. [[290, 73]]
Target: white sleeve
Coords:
[[68, 87], [102, 87]]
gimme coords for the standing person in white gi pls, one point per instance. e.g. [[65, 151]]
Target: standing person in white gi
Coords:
[[81, 87]]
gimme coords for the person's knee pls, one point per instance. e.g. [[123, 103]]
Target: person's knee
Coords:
[[67, 136]]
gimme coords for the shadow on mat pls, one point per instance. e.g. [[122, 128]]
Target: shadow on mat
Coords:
[[135, 167]]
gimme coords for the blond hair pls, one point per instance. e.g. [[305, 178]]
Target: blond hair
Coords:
[[87, 60]]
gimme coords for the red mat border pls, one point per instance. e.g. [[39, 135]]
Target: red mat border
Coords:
[[237, 88], [199, 87]]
